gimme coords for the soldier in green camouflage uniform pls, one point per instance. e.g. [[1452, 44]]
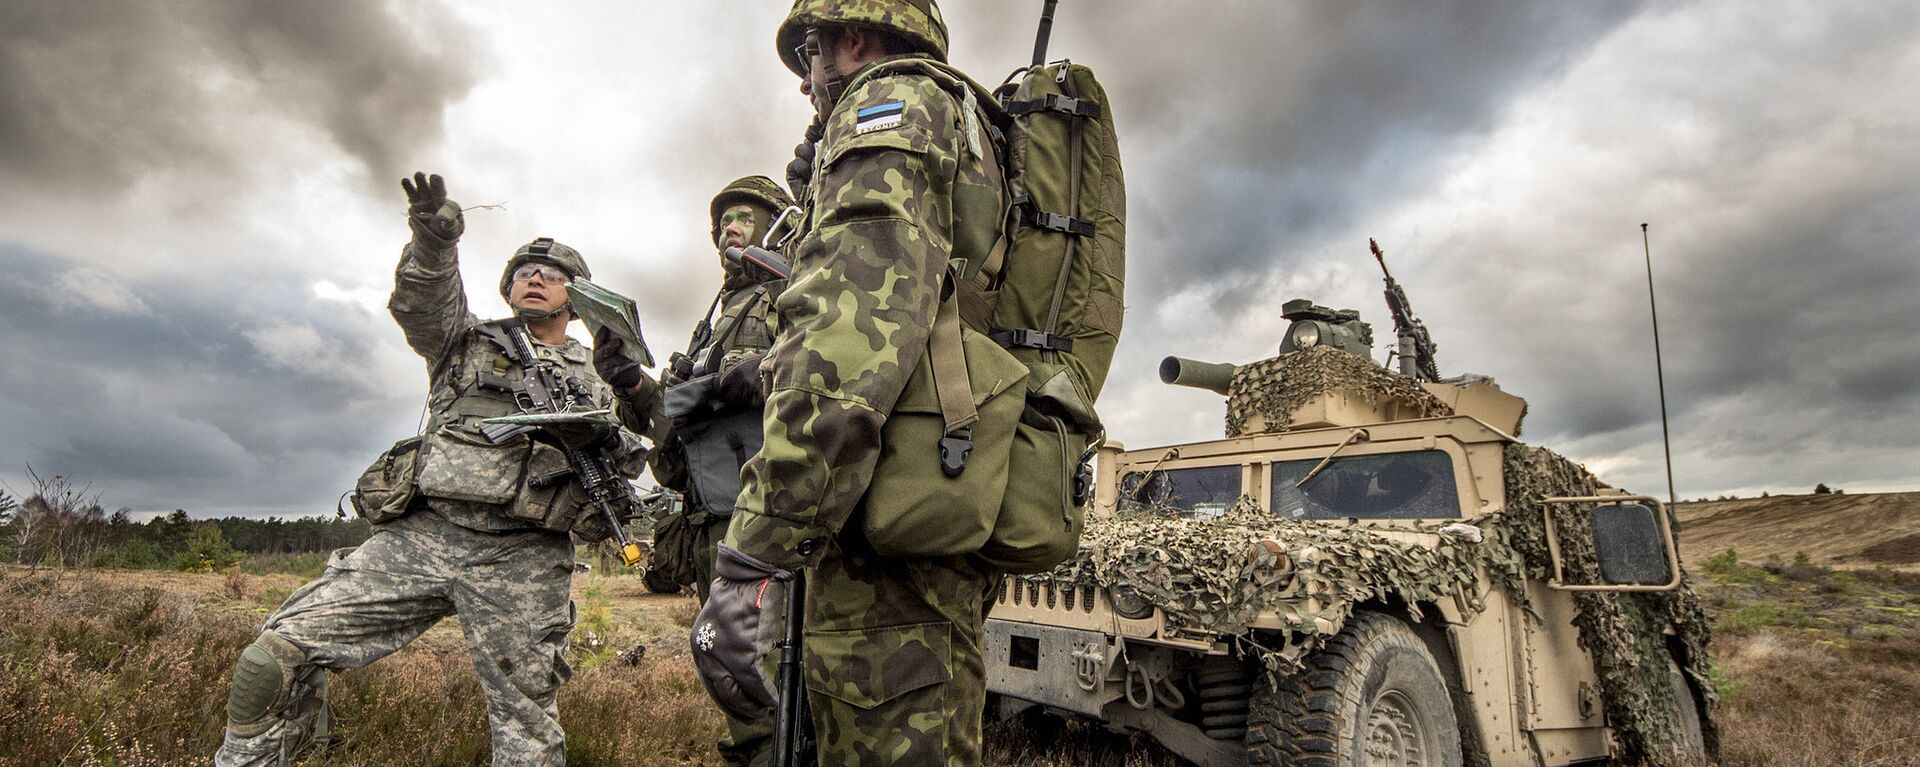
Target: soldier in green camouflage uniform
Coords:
[[481, 538], [904, 181], [741, 214]]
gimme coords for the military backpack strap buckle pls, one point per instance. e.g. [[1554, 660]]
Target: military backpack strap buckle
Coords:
[[1028, 338], [1055, 102], [1055, 222], [954, 449]]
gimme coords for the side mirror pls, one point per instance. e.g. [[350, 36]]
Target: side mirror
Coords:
[[1633, 544]]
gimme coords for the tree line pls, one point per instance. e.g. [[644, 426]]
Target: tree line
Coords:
[[61, 523]]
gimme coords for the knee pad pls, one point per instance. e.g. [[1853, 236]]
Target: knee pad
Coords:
[[263, 682]]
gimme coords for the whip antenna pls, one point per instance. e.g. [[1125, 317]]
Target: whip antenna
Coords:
[[1046, 31], [1660, 374]]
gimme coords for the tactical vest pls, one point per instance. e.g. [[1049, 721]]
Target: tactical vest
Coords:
[[459, 473], [718, 437]]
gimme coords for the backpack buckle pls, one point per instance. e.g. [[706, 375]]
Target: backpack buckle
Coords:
[[1082, 484], [954, 449]]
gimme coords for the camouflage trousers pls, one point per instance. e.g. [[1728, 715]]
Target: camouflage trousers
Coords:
[[510, 589], [894, 664]]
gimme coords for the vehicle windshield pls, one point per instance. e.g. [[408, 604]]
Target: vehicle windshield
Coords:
[[1202, 491], [1416, 485]]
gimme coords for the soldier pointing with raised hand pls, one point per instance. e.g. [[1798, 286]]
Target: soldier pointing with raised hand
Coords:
[[466, 520]]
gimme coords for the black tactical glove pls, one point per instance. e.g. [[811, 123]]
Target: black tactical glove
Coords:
[[740, 385], [800, 170], [736, 630], [615, 366], [436, 221]]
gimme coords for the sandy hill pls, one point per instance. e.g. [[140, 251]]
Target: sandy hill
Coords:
[[1847, 530]]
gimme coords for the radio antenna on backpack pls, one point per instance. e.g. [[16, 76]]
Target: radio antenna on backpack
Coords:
[[1046, 31]]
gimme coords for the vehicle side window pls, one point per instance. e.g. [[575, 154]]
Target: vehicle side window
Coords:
[[1417, 485], [1205, 491]]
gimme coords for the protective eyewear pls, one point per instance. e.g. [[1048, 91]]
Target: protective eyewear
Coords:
[[545, 272]]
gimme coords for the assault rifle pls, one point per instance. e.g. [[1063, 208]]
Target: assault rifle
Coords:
[[542, 391], [761, 264], [1416, 346], [793, 741]]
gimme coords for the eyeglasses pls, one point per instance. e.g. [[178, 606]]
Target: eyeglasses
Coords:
[[805, 51], [545, 272]]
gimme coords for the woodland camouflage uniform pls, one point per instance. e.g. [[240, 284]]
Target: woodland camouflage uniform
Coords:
[[893, 659], [507, 578]]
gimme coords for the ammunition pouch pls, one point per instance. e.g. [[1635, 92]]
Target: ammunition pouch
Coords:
[[464, 466], [386, 489], [548, 497], [717, 438]]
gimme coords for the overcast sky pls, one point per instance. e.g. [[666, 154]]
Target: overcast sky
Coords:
[[200, 214]]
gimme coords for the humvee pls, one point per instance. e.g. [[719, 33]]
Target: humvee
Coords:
[[1370, 569]]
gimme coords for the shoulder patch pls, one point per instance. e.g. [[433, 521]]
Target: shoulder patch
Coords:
[[880, 116]]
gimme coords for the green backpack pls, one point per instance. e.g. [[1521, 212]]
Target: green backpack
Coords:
[[1050, 299]]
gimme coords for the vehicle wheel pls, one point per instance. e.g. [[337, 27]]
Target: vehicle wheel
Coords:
[[1693, 742], [1372, 697]]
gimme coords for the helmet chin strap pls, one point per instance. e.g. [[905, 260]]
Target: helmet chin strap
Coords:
[[832, 79], [535, 315]]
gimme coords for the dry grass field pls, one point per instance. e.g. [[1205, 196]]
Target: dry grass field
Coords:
[[1815, 666]]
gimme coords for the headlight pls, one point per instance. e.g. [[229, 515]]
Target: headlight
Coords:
[[1304, 334], [1128, 602]]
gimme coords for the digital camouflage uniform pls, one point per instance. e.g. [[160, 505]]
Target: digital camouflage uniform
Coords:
[[746, 316], [506, 578], [893, 659]]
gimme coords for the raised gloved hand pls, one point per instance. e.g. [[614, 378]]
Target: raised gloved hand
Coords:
[[436, 221], [615, 366], [737, 628], [740, 385]]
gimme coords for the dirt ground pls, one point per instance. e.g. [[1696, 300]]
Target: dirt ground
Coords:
[[1834, 530]]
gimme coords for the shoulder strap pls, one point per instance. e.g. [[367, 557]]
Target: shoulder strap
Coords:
[[951, 384]]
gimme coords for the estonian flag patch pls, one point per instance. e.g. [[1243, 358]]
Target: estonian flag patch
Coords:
[[879, 117]]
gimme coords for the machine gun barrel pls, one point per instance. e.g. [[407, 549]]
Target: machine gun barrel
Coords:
[[1416, 345], [1212, 376]]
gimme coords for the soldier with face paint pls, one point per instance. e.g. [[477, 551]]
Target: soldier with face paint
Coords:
[[486, 534], [904, 186], [713, 423]]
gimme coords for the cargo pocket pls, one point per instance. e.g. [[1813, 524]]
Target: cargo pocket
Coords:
[[465, 467], [914, 507], [387, 487], [867, 667]]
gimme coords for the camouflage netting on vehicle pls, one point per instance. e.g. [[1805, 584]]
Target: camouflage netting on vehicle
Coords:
[[1217, 575], [1271, 390], [1624, 632]]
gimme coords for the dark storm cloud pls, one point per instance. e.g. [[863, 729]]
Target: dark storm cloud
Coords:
[[190, 393], [99, 94], [1252, 128]]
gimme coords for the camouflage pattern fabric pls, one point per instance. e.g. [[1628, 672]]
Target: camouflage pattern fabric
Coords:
[[478, 484], [1263, 395], [893, 657], [893, 663], [510, 590], [1622, 631], [1218, 575]]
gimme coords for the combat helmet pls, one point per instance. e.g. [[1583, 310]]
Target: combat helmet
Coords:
[[749, 190], [546, 251], [917, 22]]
